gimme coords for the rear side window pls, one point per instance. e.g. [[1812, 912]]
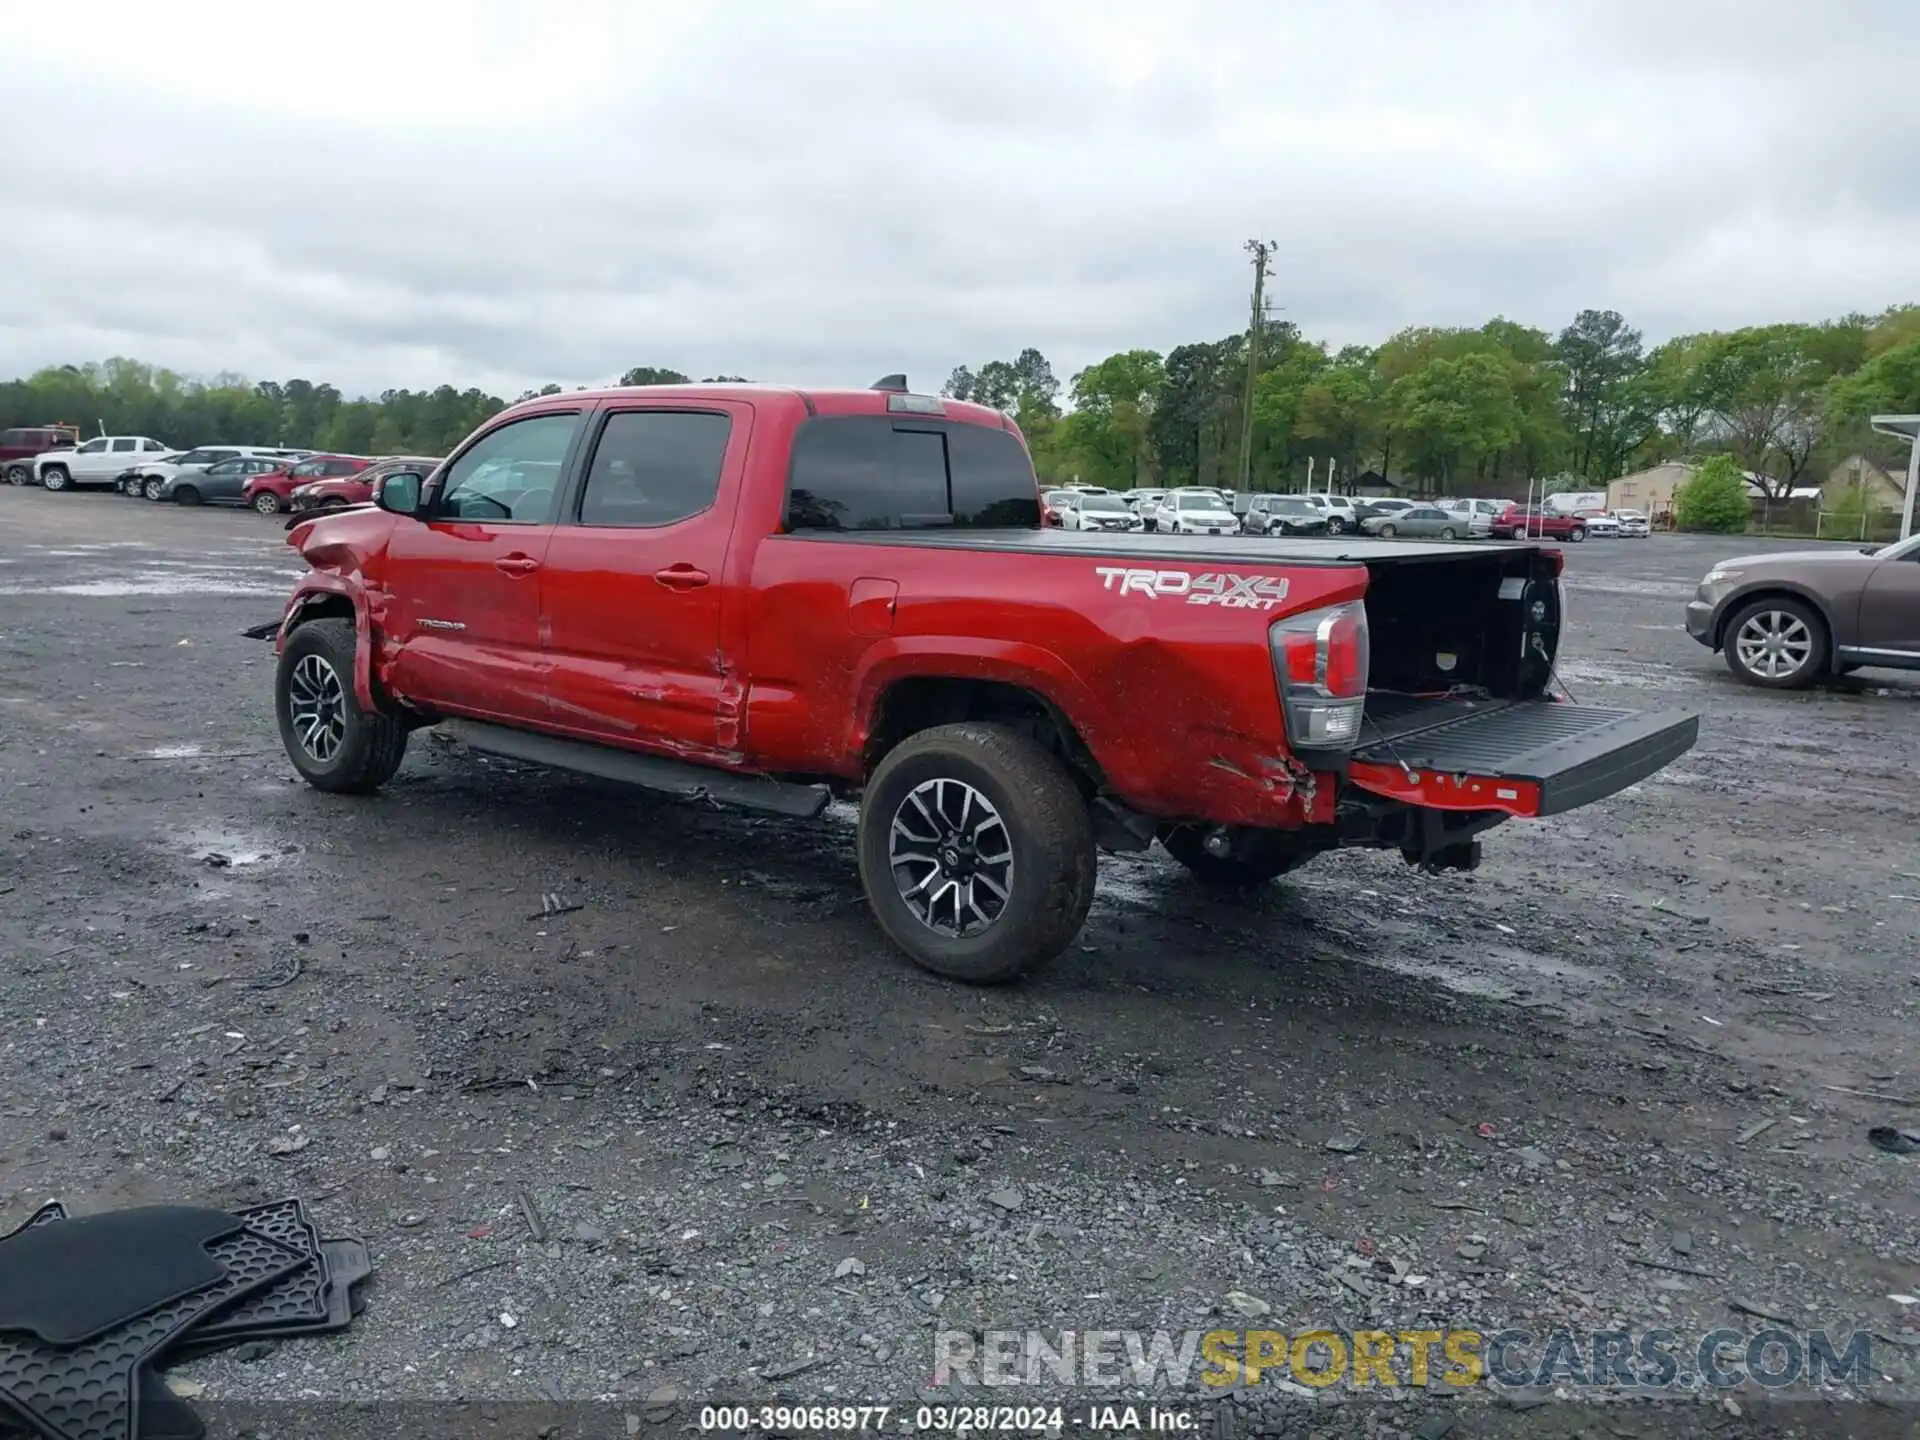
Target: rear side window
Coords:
[[654, 467], [874, 472], [13, 437]]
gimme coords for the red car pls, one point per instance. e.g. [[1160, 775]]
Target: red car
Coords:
[[273, 492], [1531, 522], [356, 488], [766, 597]]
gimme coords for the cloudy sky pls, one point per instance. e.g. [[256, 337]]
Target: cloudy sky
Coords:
[[820, 191]]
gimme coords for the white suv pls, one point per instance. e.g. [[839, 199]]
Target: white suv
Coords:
[[95, 462]]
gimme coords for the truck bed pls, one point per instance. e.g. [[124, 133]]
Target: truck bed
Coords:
[[1107, 545]]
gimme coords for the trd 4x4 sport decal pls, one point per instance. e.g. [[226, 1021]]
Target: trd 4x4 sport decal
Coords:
[[1223, 588]]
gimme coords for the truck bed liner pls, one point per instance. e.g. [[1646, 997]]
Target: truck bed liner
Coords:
[[1574, 753]]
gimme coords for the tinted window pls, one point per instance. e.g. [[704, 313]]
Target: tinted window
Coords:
[[872, 472], [654, 467], [123, 445], [13, 437], [510, 474], [92, 447], [338, 467]]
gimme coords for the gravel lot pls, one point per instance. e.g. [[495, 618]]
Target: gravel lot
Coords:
[[716, 1085]]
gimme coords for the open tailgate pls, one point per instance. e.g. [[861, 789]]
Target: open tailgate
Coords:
[[1528, 757]]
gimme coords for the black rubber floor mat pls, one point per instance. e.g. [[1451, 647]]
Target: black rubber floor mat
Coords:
[[48, 1213], [348, 1264], [315, 1299], [95, 1390], [71, 1282], [163, 1414]]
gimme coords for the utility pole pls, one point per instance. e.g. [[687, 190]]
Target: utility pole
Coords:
[[1262, 253]]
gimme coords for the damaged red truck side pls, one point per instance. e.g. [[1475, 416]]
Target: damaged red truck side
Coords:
[[770, 597]]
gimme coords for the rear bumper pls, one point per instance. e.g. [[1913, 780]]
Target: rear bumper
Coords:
[[1526, 758]]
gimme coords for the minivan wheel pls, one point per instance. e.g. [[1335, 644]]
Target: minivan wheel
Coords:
[[1779, 644], [54, 477], [976, 852], [333, 743]]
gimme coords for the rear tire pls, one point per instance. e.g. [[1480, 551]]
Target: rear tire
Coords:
[[334, 744], [1258, 856], [18, 475], [915, 813], [267, 503], [1777, 644], [1336, 526], [55, 477]]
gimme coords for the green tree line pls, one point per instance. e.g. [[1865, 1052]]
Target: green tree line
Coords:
[[1458, 408], [126, 397], [1452, 408]]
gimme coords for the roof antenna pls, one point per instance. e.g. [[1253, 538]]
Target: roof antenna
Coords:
[[896, 382]]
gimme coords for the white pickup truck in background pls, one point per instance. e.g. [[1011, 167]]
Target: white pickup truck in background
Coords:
[[95, 462]]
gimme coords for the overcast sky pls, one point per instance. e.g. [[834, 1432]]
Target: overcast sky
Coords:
[[494, 194]]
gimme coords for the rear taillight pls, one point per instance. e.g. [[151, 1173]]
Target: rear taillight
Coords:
[[1320, 658]]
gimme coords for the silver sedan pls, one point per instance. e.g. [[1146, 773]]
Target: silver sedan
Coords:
[[1422, 521]]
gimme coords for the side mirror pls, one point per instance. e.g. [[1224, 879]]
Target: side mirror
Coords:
[[398, 494]]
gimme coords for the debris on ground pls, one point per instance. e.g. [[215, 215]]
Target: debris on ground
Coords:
[[1894, 1142]]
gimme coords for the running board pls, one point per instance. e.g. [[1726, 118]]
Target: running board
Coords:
[[649, 772]]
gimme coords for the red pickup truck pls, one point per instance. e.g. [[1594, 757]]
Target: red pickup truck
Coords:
[[1522, 522], [770, 597]]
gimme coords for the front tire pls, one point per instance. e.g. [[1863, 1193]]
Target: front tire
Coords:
[[1257, 857], [1449, 533], [334, 744], [1777, 644], [153, 487], [1386, 532], [54, 477], [976, 852], [1577, 534], [185, 495], [267, 503], [1336, 526]]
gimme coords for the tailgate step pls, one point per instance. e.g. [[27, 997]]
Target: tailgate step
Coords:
[[1576, 754]]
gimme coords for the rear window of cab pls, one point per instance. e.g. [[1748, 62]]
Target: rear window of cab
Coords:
[[891, 472]]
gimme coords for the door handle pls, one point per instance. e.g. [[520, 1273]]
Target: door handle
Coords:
[[517, 564], [682, 577]]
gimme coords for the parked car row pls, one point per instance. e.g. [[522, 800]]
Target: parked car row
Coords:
[[269, 479], [1206, 510]]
